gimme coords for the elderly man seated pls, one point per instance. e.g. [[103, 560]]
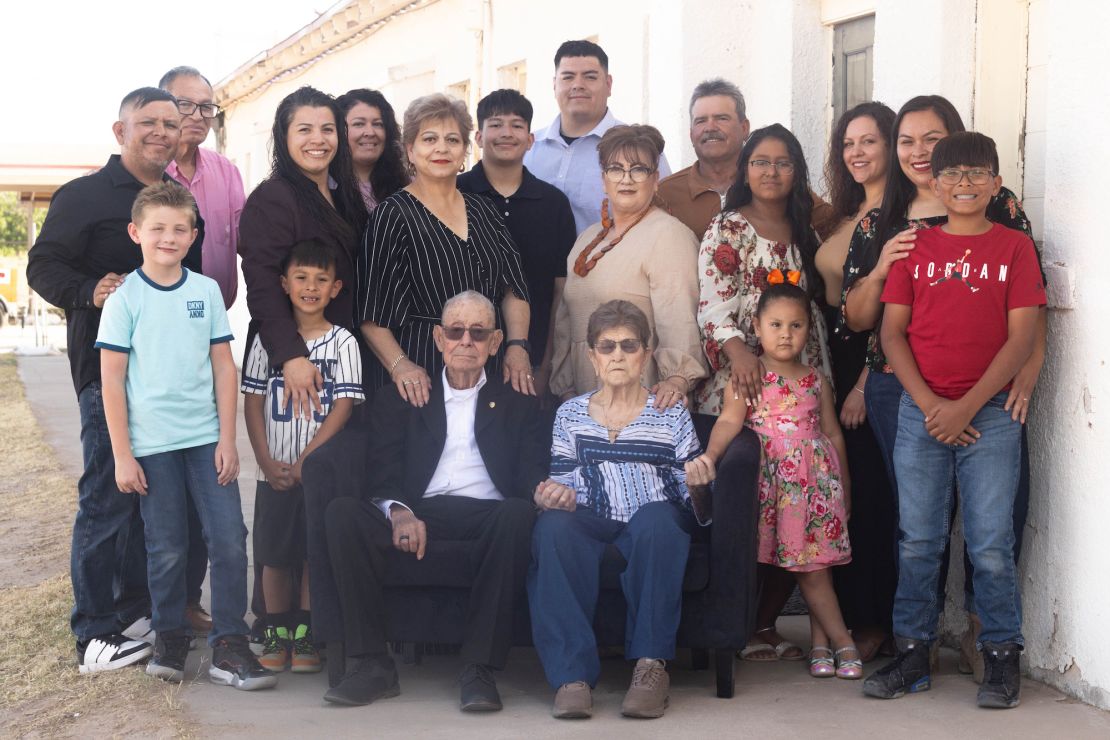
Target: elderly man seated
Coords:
[[462, 467]]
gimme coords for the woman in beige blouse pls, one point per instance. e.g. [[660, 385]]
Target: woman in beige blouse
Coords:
[[638, 253]]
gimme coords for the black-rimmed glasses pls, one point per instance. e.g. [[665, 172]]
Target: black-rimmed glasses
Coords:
[[953, 176], [614, 173], [188, 107]]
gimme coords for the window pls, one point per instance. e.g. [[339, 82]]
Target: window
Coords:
[[853, 75], [513, 76]]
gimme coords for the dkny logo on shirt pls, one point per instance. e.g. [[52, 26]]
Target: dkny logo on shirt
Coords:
[[195, 308]]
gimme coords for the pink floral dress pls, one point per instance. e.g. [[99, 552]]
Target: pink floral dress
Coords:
[[733, 264], [802, 518]]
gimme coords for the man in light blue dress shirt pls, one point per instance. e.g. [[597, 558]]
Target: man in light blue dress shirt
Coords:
[[565, 153]]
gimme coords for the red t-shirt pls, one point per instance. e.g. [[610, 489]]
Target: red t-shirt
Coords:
[[959, 289]]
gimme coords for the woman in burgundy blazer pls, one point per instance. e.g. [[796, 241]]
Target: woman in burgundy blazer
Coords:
[[311, 193]]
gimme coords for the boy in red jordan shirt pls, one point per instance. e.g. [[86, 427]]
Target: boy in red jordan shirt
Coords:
[[960, 321]]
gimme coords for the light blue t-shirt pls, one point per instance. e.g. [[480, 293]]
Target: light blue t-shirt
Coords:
[[167, 332]]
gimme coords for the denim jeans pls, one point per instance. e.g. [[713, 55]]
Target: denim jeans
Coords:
[[987, 472], [171, 477], [883, 392], [107, 556], [563, 583]]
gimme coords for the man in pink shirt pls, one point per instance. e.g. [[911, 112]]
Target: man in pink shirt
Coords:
[[211, 177]]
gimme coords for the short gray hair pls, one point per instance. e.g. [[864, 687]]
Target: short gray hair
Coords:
[[618, 314], [182, 71], [720, 86], [470, 296], [436, 107]]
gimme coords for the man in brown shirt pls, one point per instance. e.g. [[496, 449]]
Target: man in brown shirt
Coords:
[[719, 126]]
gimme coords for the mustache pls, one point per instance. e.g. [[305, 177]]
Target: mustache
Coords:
[[712, 136]]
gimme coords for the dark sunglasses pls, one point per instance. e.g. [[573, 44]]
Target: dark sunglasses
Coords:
[[477, 333], [628, 346]]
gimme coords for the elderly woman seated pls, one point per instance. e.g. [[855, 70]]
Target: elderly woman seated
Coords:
[[620, 469]]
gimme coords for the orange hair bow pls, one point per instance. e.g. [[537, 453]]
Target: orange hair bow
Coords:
[[775, 277]]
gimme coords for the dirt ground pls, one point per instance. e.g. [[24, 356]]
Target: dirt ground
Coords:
[[41, 693]]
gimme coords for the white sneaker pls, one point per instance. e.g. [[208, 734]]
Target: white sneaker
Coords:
[[141, 629], [109, 652]]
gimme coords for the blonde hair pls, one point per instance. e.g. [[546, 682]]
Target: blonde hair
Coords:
[[166, 193]]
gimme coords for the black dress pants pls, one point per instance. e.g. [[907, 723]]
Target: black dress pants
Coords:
[[359, 537]]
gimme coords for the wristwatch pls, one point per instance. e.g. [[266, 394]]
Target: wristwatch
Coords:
[[522, 343]]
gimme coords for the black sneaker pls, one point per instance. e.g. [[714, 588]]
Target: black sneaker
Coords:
[[1001, 687], [907, 673], [170, 651], [233, 664], [109, 652]]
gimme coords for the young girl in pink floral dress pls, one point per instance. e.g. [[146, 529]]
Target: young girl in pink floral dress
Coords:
[[803, 491]]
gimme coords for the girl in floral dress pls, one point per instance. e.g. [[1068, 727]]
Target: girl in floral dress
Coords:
[[765, 225], [803, 491]]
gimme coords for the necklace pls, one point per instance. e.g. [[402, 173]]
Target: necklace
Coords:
[[584, 263], [614, 427]]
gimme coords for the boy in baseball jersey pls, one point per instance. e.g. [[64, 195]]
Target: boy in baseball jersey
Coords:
[[282, 439]]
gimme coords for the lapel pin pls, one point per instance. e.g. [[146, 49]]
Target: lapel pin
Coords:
[[493, 404]]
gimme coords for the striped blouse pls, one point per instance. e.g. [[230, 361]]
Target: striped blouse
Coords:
[[614, 479], [411, 263]]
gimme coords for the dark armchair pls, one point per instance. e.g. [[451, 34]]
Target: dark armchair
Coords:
[[427, 599]]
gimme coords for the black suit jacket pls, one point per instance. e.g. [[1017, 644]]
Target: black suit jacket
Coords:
[[406, 442]]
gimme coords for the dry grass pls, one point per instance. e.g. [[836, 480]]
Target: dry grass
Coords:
[[41, 693]]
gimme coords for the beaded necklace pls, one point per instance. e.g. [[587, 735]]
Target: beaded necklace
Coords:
[[584, 263]]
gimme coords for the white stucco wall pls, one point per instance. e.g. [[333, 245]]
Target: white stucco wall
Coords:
[[1067, 602], [778, 53]]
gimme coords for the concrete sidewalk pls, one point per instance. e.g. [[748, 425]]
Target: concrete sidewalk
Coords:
[[777, 700]]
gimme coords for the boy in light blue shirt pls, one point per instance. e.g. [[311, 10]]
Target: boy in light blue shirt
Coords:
[[170, 387]]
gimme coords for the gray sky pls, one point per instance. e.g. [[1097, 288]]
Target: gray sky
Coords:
[[66, 64]]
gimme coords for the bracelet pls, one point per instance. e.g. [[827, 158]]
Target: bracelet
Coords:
[[858, 390], [393, 366]]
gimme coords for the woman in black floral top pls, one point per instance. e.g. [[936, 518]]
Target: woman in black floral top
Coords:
[[884, 236]]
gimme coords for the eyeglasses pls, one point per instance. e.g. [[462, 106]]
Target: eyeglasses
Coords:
[[637, 173], [207, 110], [953, 176], [477, 333], [628, 346], [783, 165]]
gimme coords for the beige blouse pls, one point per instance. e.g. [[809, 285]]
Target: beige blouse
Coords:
[[654, 267]]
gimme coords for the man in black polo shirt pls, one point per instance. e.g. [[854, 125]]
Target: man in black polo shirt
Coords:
[[82, 255], [537, 214]]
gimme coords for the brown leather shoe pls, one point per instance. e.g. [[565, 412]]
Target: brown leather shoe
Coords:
[[573, 701], [647, 695], [199, 621]]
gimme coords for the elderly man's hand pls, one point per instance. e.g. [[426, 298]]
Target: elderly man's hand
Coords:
[[552, 495], [409, 533]]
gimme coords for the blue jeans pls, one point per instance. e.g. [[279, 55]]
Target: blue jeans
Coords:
[[171, 477], [107, 558], [563, 583], [987, 472], [882, 394]]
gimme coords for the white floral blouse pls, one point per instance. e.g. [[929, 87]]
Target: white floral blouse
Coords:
[[733, 264]]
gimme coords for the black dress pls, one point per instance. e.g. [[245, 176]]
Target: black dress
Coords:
[[411, 263], [865, 587]]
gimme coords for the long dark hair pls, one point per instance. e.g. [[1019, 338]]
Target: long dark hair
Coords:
[[845, 194], [799, 204], [900, 190], [389, 174], [348, 219]]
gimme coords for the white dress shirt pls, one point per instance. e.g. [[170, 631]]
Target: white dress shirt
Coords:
[[461, 470], [573, 167]]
